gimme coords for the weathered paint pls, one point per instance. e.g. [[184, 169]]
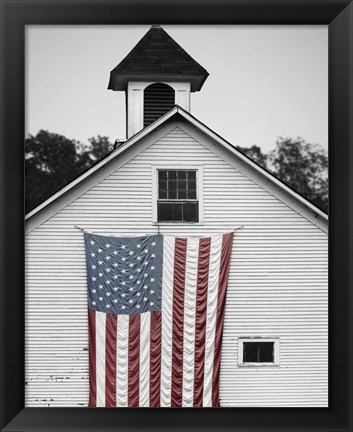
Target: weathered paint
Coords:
[[277, 284]]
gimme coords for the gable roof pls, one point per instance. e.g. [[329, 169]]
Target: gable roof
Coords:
[[277, 187], [157, 56]]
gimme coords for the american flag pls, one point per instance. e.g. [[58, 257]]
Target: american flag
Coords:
[[155, 314]]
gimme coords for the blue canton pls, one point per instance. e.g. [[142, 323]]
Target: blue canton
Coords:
[[124, 273]]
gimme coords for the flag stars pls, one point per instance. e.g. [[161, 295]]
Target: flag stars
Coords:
[[123, 295], [131, 253], [138, 246], [92, 242], [131, 277], [94, 278], [151, 303], [139, 258], [100, 250], [115, 276], [100, 262], [123, 307], [108, 270], [115, 252], [107, 306], [145, 287], [107, 245], [93, 266], [153, 243], [138, 294], [123, 259], [123, 247], [100, 286], [131, 301], [152, 279], [131, 289], [94, 291], [152, 292], [123, 271], [138, 270], [100, 274], [107, 257], [131, 265], [100, 298], [108, 282], [93, 254], [138, 306], [115, 264], [115, 300], [94, 303], [145, 299], [153, 267], [123, 283], [145, 274], [108, 294], [145, 263], [115, 288]]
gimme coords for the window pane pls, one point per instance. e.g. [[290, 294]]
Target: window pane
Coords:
[[172, 175], [182, 184], [191, 212], [182, 194], [162, 175], [172, 194], [165, 212], [266, 352], [191, 194], [182, 174], [250, 352], [192, 184], [162, 184], [172, 185], [191, 175], [177, 212], [163, 194]]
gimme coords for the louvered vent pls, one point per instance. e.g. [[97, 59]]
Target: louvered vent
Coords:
[[158, 99]]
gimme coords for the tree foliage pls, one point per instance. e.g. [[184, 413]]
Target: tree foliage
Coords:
[[52, 161], [301, 165]]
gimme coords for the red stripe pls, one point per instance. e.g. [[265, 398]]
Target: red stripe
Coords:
[[201, 315], [222, 288], [155, 359], [110, 360], [178, 321], [134, 361], [92, 358]]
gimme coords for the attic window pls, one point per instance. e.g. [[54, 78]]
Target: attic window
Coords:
[[158, 99], [177, 196]]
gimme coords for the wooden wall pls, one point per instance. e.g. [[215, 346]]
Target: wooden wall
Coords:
[[277, 285]]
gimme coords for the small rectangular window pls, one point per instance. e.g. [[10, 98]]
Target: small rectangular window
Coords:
[[177, 196], [258, 351]]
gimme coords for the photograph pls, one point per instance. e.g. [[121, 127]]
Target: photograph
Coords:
[[176, 228]]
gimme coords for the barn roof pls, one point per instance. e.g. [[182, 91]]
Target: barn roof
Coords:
[[300, 204], [157, 56]]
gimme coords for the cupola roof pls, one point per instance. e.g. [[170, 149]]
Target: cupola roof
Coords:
[[157, 57]]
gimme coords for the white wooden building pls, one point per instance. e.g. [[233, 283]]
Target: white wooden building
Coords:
[[275, 340]]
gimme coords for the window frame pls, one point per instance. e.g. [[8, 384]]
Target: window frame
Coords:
[[276, 351], [199, 191]]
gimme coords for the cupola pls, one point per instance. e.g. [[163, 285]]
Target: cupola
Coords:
[[156, 75]]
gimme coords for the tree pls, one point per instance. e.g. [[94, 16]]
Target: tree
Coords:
[[52, 161], [304, 167], [254, 152]]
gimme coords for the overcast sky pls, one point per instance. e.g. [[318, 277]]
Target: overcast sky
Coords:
[[264, 82]]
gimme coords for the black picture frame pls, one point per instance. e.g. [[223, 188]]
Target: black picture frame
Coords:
[[15, 15]]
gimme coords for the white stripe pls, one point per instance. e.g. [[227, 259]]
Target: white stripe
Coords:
[[192, 254], [122, 361], [145, 327], [167, 310], [100, 357], [212, 295]]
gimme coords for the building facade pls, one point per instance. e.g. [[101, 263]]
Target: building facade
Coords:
[[174, 175]]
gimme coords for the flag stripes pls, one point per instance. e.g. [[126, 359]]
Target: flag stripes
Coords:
[[171, 357]]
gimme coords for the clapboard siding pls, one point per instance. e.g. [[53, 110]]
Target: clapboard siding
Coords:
[[277, 282]]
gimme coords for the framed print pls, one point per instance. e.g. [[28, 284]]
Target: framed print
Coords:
[[171, 268]]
